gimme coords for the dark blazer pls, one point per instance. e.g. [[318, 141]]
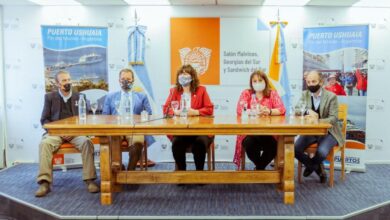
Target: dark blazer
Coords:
[[328, 112], [51, 108]]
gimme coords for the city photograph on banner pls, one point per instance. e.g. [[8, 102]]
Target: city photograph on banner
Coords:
[[340, 53], [82, 51]]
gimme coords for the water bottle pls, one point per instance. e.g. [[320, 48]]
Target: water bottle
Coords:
[[253, 110], [185, 103], [82, 107]]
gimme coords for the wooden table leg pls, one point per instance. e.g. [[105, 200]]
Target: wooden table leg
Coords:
[[116, 162], [279, 160], [288, 170], [105, 172]]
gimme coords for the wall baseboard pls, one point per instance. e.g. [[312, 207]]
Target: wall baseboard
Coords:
[[378, 162]]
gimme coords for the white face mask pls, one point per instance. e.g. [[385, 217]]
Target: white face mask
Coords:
[[259, 87]]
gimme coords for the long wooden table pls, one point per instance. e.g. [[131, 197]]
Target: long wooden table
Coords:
[[111, 128]]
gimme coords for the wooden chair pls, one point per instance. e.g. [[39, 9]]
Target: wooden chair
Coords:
[[68, 148], [210, 151], [311, 150]]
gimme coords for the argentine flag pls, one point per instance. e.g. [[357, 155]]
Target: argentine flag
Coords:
[[278, 69]]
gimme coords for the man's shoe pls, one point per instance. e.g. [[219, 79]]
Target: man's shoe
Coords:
[[323, 178], [307, 172], [43, 190], [92, 186], [321, 173]]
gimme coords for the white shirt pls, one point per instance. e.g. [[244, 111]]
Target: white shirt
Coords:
[[65, 98], [123, 95]]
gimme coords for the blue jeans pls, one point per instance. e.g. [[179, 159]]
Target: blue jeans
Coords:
[[362, 92], [325, 144]]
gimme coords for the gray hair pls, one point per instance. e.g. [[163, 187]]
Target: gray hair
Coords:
[[59, 73]]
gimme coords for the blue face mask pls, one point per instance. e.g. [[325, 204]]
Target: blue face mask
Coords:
[[184, 80]]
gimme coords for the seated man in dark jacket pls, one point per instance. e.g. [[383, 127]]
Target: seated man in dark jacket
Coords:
[[59, 105]]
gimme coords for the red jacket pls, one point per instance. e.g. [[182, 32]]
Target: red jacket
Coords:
[[361, 81], [336, 89], [200, 100]]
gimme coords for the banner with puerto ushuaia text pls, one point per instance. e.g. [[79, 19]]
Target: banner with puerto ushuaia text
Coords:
[[81, 51], [340, 53]]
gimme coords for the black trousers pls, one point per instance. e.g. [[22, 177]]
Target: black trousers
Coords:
[[255, 144], [199, 145]]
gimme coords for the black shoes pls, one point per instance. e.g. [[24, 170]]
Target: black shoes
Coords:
[[307, 172], [321, 173]]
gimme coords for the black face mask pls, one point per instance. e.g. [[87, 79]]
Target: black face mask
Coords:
[[126, 85], [67, 87], [314, 89]]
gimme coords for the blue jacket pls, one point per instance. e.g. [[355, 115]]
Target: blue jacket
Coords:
[[140, 103]]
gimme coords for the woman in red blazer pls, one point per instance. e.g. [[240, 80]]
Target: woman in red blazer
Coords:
[[187, 83]]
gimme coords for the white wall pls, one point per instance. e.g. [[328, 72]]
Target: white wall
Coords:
[[24, 61], [2, 103]]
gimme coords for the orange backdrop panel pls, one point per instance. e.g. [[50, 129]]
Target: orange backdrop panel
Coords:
[[196, 41]]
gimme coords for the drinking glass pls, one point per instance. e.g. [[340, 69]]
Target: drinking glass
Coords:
[[175, 106], [302, 107], [117, 104], [94, 107]]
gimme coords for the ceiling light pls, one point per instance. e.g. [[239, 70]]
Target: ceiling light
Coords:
[[55, 2], [372, 3], [285, 2], [147, 2]]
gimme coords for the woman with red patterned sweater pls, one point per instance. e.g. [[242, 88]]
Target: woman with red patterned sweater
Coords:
[[269, 104]]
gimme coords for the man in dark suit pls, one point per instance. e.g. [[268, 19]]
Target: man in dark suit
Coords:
[[321, 105], [59, 105]]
